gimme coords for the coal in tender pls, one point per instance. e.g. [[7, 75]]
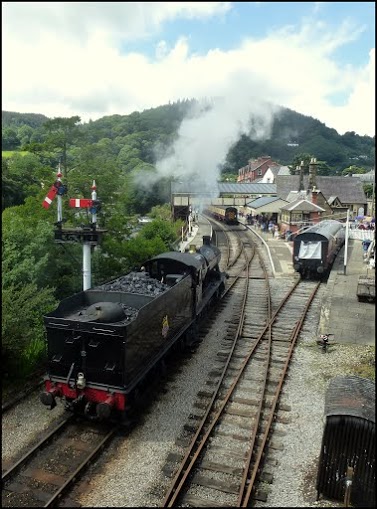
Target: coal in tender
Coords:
[[135, 282]]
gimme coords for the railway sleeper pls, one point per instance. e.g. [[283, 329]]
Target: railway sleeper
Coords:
[[195, 501], [21, 489], [234, 456], [273, 444], [208, 482]]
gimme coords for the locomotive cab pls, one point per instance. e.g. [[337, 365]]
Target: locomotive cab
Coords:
[[172, 279]]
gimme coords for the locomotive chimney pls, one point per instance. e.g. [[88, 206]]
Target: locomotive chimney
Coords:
[[206, 240], [312, 173]]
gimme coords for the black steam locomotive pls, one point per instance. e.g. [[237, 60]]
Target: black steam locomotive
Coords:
[[103, 342], [222, 213], [315, 249]]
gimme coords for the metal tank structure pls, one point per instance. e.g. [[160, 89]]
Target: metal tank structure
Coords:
[[346, 468]]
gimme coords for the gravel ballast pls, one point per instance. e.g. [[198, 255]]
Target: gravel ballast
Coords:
[[129, 473]]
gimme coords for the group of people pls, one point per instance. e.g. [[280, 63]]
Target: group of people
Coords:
[[265, 224]]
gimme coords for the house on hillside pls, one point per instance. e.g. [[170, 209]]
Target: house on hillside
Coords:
[[255, 169], [272, 171]]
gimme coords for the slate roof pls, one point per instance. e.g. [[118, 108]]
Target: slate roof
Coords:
[[365, 177], [261, 202], [284, 170], [254, 164], [194, 187], [303, 205], [348, 190], [331, 199], [246, 188], [295, 195]]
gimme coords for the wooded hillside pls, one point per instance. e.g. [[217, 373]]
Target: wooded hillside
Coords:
[[140, 132]]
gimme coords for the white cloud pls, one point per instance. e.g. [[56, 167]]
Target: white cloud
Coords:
[[63, 59], [78, 20]]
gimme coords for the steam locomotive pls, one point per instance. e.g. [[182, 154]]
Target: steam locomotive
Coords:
[[103, 343], [222, 213], [315, 249]]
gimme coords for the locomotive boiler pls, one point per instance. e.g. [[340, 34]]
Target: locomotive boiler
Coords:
[[315, 249], [103, 343]]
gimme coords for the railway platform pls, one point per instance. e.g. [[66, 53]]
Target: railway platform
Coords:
[[195, 237], [342, 314], [280, 253]]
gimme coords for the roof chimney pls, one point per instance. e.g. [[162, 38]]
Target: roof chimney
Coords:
[[301, 181], [312, 173], [314, 195]]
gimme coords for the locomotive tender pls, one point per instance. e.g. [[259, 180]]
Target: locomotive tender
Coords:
[[103, 342], [315, 249], [222, 213]]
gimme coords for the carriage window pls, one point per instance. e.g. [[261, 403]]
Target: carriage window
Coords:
[[310, 250]]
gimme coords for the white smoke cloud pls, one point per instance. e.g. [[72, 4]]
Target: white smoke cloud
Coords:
[[205, 137]]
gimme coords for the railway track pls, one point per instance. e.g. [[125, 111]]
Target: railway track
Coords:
[[43, 476], [13, 400], [230, 432], [256, 318]]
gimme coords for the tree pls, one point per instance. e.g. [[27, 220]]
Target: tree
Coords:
[[24, 134], [297, 162], [23, 306], [160, 229], [22, 176], [62, 133], [353, 169], [11, 191], [9, 140], [228, 177], [161, 212], [368, 190]]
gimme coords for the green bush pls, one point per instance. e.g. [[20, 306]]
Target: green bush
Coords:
[[22, 327]]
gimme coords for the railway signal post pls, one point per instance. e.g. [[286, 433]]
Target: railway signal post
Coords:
[[88, 235]]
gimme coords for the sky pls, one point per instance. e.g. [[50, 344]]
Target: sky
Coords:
[[248, 59], [94, 59]]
